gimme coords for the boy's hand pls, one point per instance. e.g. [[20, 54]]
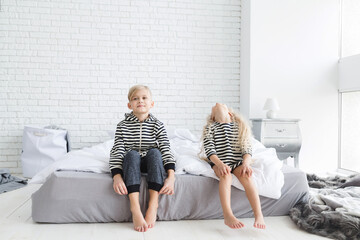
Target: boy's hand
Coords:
[[119, 185], [169, 182], [223, 169]]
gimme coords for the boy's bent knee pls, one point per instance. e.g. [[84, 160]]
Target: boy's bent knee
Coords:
[[154, 152], [154, 156], [132, 153], [131, 159]]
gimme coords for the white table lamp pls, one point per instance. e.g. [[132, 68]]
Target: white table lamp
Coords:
[[272, 106]]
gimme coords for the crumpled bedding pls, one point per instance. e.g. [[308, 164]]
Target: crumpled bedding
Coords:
[[332, 211], [9, 182], [267, 173], [344, 200]]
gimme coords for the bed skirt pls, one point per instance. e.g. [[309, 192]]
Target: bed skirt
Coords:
[[72, 197]]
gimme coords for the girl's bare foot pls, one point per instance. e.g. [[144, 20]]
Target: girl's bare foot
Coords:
[[150, 217], [139, 222], [233, 222], [259, 222]]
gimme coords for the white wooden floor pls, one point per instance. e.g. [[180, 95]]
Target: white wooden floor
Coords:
[[16, 223]]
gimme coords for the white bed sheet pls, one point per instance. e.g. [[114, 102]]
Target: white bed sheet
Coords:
[[267, 174]]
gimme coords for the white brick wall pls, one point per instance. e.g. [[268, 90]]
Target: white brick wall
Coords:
[[71, 63]]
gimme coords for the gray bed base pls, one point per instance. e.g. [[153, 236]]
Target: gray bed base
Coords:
[[71, 197]]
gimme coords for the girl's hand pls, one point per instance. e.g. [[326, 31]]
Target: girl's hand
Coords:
[[168, 187], [224, 169], [119, 185], [245, 170]]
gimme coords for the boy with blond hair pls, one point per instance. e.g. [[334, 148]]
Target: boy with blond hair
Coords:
[[141, 145]]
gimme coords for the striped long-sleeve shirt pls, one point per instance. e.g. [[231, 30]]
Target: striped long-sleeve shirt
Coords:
[[131, 134], [221, 139]]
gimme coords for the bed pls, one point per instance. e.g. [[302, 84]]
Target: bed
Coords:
[[78, 188], [69, 196]]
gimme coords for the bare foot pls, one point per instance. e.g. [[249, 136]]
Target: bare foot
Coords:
[[259, 222], [233, 222], [150, 217], [139, 222]]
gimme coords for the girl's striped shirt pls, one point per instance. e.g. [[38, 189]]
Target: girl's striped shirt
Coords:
[[221, 139]]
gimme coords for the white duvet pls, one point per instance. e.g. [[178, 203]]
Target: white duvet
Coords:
[[267, 173]]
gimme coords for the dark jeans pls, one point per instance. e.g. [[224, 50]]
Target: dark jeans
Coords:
[[134, 165]]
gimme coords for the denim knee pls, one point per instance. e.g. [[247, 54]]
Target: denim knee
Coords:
[[132, 153], [131, 160], [131, 171], [155, 169], [154, 155]]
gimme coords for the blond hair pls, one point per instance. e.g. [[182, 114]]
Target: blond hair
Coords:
[[244, 131], [135, 88]]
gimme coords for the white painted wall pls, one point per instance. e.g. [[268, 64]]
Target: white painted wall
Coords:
[[71, 63], [293, 56], [350, 28]]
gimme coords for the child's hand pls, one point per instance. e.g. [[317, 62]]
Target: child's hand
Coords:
[[224, 169], [119, 185], [245, 170], [168, 187]]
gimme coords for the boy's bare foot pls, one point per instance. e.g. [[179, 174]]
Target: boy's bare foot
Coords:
[[150, 217], [139, 222], [259, 222], [233, 222]]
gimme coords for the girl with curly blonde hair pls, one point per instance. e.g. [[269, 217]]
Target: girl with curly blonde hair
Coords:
[[226, 143]]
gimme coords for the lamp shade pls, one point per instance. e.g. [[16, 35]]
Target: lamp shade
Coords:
[[271, 104]]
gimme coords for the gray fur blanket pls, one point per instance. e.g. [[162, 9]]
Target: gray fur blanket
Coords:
[[333, 208]]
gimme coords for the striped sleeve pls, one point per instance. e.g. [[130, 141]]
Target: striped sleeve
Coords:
[[117, 153], [209, 145], [164, 147], [246, 148]]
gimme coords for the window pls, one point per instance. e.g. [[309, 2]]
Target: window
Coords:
[[350, 131], [349, 86]]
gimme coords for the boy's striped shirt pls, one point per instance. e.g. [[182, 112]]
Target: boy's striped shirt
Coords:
[[131, 134]]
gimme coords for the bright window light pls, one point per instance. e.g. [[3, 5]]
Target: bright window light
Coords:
[[350, 131]]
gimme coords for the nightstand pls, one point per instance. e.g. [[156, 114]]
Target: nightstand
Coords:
[[282, 134]]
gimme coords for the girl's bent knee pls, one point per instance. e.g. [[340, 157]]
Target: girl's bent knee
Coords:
[[226, 177], [244, 179], [245, 176]]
